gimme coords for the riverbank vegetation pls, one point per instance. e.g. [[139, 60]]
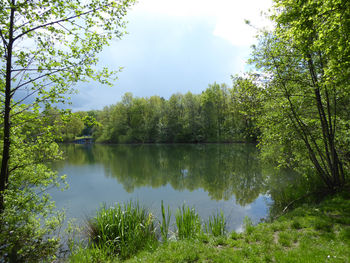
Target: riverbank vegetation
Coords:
[[304, 68], [314, 232]]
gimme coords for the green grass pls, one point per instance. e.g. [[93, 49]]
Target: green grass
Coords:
[[122, 230], [187, 222], [92, 255], [310, 233], [165, 223], [216, 224]]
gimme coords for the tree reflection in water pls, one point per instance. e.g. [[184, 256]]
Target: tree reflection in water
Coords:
[[222, 170]]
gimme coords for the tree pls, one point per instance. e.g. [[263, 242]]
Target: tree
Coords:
[[192, 127], [174, 117], [305, 61], [46, 47], [246, 106], [214, 109], [64, 41], [73, 127], [152, 116]]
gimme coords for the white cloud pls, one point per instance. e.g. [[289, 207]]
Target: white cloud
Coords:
[[229, 15]]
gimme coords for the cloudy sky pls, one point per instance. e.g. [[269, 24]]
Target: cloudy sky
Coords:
[[176, 46]]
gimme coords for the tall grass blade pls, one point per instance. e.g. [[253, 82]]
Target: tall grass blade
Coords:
[[188, 222], [216, 224], [164, 226], [123, 229]]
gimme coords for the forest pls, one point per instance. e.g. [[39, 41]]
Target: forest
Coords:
[[218, 114]]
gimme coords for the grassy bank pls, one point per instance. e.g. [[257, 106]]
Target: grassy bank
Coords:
[[310, 233]]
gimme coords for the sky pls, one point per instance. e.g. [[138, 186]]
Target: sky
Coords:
[[176, 46]]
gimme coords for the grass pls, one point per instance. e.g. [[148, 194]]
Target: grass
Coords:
[[122, 229], [310, 233], [91, 255], [188, 222], [216, 224], [165, 223]]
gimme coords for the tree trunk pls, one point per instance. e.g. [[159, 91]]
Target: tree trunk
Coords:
[[4, 172], [332, 159]]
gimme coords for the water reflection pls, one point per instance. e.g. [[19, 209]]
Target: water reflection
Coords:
[[209, 177], [222, 170]]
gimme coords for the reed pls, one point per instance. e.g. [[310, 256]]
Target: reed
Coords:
[[248, 225], [216, 224], [123, 229], [188, 222], [164, 224]]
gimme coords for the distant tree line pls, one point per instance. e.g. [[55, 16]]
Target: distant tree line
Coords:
[[218, 114], [67, 126]]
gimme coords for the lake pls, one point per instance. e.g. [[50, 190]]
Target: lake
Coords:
[[208, 177]]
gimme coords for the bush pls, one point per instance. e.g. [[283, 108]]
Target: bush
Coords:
[[29, 223], [25, 235]]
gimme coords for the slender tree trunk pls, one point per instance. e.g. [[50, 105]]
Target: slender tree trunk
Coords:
[[4, 172], [333, 161]]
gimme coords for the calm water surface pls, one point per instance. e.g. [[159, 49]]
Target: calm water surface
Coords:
[[208, 177]]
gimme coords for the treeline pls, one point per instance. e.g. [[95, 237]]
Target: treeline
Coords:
[[67, 126], [217, 114]]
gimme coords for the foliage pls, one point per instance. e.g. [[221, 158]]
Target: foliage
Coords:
[[29, 221], [216, 115], [305, 74], [46, 47], [67, 125], [165, 223], [277, 241], [247, 106], [216, 224], [248, 225], [289, 238], [122, 229], [188, 222]]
